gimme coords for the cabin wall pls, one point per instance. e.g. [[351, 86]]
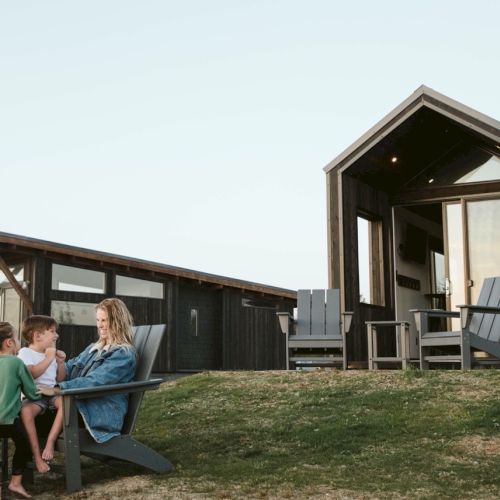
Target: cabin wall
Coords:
[[252, 339], [236, 330], [199, 346]]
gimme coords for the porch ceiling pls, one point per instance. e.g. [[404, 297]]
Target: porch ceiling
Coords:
[[411, 149]]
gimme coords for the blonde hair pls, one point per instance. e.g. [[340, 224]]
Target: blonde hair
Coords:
[[120, 323]]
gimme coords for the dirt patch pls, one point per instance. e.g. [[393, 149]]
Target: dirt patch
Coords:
[[479, 445]]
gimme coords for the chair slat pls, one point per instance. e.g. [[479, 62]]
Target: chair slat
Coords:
[[304, 312], [333, 312], [318, 312], [484, 296]]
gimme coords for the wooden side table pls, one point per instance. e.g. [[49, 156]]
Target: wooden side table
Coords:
[[402, 343]]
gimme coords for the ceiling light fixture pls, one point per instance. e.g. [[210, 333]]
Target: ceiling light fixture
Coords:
[[394, 159]]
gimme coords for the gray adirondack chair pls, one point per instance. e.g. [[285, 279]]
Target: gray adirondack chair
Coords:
[[77, 441], [480, 330], [318, 336]]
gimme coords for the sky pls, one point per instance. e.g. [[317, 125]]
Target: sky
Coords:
[[194, 133]]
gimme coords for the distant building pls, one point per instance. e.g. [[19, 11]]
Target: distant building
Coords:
[[213, 322], [414, 214]]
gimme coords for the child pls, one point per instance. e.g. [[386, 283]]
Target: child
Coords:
[[46, 365], [15, 378]]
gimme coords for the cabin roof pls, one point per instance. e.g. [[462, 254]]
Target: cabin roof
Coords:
[[13, 242], [422, 121]]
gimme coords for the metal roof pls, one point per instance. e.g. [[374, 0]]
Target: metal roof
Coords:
[[422, 97], [13, 241]]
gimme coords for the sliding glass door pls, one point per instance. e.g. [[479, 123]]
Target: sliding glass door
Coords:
[[472, 244]]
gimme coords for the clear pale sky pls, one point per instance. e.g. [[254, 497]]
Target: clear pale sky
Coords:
[[194, 133]]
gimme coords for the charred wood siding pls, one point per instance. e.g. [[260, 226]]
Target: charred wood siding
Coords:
[[361, 198], [231, 335], [252, 339], [201, 351]]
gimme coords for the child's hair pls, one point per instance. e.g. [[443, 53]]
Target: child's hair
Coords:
[[7, 331], [120, 322], [36, 323]]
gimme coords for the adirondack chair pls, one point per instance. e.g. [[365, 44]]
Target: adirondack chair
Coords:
[[480, 330], [76, 441], [318, 338]]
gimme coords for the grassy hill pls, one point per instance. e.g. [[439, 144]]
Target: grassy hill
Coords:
[[323, 434]]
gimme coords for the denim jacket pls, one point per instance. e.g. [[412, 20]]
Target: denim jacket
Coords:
[[103, 417]]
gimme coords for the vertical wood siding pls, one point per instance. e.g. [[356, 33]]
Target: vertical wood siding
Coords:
[[360, 197]]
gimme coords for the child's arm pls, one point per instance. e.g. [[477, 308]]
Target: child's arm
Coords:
[[61, 366], [27, 383], [39, 368]]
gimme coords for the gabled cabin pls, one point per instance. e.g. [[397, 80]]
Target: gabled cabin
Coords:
[[213, 322], [414, 214]]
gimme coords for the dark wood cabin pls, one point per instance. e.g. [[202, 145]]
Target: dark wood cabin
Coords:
[[413, 214], [214, 322]]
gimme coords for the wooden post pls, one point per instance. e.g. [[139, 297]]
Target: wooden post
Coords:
[[17, 287]]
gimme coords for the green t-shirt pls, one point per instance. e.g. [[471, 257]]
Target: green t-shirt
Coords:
[[14, 378]]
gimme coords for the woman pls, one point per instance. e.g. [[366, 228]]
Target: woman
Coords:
[[111, 360]]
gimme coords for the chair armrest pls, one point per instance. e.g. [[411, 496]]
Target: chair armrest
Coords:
[[422, 317], [436, 313], [286, 320], [346, 321], [105, 390], [481, 309], [466, 312]]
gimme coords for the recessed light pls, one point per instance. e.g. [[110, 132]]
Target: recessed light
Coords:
[[394, 159], [430, 181]]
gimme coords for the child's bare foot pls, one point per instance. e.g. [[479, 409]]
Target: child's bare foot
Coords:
[[48, 452], [17, 488], [42, 466]]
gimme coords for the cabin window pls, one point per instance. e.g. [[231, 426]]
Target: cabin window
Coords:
[[370, 261], [73, 313], [133, 287], [193, 322], [75, 279]]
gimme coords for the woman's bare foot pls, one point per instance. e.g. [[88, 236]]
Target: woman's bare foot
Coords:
[[42, 466], [48, 452], [16, 487]]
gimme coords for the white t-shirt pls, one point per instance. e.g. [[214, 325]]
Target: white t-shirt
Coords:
[[32, 357]]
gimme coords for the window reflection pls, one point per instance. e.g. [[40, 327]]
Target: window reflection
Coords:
[[73, 313], [75, 279], [465, 163], [134, 287]]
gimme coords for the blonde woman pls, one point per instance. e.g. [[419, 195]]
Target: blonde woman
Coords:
[[110, 360]]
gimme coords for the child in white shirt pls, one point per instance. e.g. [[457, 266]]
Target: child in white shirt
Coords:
[[46, 365]]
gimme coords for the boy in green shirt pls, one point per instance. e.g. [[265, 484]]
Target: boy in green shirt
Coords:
[[14, 378]]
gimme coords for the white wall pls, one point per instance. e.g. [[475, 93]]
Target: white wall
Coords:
[[407, 298]]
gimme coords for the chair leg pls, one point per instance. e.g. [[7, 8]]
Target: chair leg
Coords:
[[5, 459], [128, 449], [465, 351]]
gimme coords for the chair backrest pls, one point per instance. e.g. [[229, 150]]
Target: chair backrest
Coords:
[[147, 340], [318, 313], [487, 325]]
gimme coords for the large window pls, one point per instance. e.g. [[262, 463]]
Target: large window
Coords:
[[134, 287], [75, 279], [370, 261]]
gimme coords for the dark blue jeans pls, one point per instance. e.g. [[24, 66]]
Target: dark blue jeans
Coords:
[[22, 454]]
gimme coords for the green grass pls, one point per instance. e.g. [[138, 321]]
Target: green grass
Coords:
[[355, 434]]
